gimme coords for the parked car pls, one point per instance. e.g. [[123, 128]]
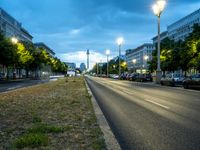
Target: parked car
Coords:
[[133, 76], [129, 76], [172, 79], [192, 82], [114, 76], [2, 76], [123, 76], [143, 77]]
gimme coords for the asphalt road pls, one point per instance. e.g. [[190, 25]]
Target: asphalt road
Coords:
[[9, 86], [148, 116]]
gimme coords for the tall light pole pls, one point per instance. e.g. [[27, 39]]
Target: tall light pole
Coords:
[[97, 69], [120, 41], [158, 8], [88, 54], [100, 68], [146, 57], [134, 62], [107, 54], [14, 40]]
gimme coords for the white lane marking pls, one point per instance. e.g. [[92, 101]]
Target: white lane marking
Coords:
[[156, 103]]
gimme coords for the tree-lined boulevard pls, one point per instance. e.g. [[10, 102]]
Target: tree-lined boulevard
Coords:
[[20, 55], [131, 91]]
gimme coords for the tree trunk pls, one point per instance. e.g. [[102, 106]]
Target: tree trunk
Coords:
[[27, 73], [7, 75]]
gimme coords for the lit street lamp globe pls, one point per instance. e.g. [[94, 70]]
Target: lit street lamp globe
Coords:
[[146, 57], [107, 52], [159, 7], [120, 41], [134, 61], [14, 40]]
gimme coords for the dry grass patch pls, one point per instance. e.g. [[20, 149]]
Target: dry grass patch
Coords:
[[56, 115]]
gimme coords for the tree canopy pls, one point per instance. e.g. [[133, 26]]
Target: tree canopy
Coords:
[[179, 55]]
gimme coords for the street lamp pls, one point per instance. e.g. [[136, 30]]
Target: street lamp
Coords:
[[134, 62], [101, 65], [107, 54], [146, 57], [158, 8], [14, 40], [97, 69], [120, 41]]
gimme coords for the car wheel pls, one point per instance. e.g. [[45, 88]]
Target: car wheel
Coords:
[[185, 86]]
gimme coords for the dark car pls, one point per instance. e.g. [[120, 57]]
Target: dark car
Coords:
[[123, 76], [172, 79], [2, 76], [128, 76], [133, 76], [192, 82], [143, 77]]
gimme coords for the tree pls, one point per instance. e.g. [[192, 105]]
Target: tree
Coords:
[[58, 66], [8, 54], [190, 50], [24, 56], [169, 56]]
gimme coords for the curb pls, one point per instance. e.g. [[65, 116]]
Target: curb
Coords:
[[110, 140]]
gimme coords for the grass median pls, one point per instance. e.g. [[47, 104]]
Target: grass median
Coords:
[[55, 115]]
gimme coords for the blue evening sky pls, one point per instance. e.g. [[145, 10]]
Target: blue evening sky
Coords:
[[70, 27]]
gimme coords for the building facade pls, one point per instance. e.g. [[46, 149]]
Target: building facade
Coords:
[[10, 27], [163, 35], [82, 67], [45, 47], [71, 66], [183, 27], [137, 58]]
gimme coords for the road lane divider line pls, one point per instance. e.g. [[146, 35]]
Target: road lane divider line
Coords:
[[158, 104]]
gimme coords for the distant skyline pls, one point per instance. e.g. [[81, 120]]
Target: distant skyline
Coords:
[[70, 27]]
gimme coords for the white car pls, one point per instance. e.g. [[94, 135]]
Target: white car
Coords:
[[172, 79]]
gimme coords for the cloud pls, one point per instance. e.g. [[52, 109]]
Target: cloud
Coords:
[[74, 31], [69, 26], [79, 57]]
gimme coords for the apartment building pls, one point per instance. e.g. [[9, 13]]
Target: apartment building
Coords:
[[10, 27], [137, 58]]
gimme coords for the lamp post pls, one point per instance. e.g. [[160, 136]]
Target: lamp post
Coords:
[[119, 43], [14, 40], [158, 8], [101, 65], [107, 54], [134, 62], [146, 57], [97, 69], [124, 66]]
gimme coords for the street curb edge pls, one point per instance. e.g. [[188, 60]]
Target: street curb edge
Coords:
[[110, 140]]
